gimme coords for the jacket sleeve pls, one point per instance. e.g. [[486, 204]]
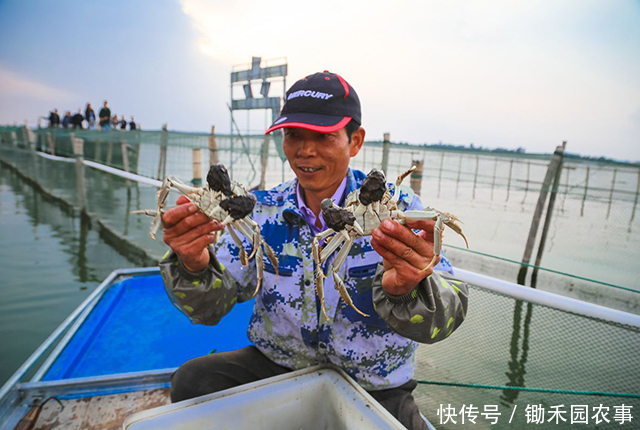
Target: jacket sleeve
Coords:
[[429, 313], [206, 296]]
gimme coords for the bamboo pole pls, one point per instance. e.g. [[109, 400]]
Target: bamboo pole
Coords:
[[196, 162], [526, 187], [52, 145], [213, 147], [509, 180], [635, 203], [458, 178], [566, 189], [109, 153], [586, 188], [613, 185], [475, 177], [440, 172], [554, 165], [162, 161], [77, 145], [386, 144], [416, 176], [547, 220], [125, 154], [493, 182]]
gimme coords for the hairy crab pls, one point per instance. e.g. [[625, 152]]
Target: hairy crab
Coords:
[[365, 208], [225, 201]]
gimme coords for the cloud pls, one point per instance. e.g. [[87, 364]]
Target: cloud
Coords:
[[15, 86], [497, 73]]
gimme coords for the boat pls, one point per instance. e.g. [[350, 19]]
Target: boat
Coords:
[[113, 357]]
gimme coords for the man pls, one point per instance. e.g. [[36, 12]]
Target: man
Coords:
[[66, 120], [321, 122], [132, 124], [105, 116], [122, 123], [77, 119], [54, 119]]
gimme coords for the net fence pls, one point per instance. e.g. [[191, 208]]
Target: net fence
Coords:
[[594, 230], [565, 359], [505, 344]]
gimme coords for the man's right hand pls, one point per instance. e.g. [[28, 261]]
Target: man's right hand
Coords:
[[189, 232]]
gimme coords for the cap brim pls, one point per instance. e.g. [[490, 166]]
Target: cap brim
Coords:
[[310, 121]]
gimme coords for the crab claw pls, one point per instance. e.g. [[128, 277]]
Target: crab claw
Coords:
[[343, 292]]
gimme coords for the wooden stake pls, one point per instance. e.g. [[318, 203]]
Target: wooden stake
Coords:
[[196, 158], [52, 145], [547, 220], [459, 171], [493, 182], [554, 166], [416, 176], [475, 177], [162, 161], [635, 203], [125, 154], [440, 172], [509, 180], [213, 147], [386, 144], [586, 187], [613, 184]]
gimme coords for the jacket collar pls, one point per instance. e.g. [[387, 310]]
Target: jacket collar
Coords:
[[284, 195]]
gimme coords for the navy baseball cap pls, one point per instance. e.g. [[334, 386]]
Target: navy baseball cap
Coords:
[[322, 102]]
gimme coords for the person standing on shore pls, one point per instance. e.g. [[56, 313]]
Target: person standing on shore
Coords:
[[90, 116], [54, 119], [66, 121], [105, 116], [76, 120]]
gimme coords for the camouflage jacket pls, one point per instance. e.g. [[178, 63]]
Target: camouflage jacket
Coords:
[[287, 324]]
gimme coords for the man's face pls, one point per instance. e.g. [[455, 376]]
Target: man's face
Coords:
[[320, 160]]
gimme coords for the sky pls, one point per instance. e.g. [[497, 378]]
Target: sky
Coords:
[[493, 73]]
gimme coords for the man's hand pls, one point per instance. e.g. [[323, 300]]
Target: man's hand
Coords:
[[188, 232], [404, 254]]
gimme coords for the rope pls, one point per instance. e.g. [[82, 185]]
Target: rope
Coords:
[[545, 269], [536, 390]]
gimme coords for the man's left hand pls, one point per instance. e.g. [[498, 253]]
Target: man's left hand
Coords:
[[404, 254]]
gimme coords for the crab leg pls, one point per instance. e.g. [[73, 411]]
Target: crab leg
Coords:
[[185, 189], [243, 254], [259, 269], [437, 244], [249, 233], [252, 230], [339, 284], [396, 192], [163, 195], [452, 222], [253, 227], [332, 245], [271, 256], [315, 251]]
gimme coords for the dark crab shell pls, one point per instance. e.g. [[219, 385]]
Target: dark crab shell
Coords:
[[239, 206], [373, 187], [335, 217], [218, 179]]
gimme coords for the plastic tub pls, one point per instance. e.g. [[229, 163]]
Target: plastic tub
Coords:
[[315, 398]]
